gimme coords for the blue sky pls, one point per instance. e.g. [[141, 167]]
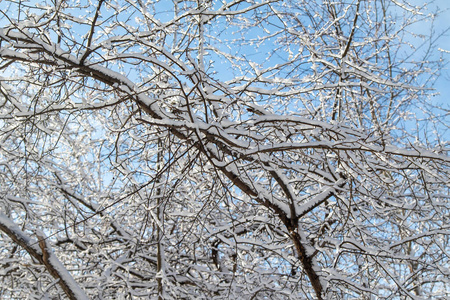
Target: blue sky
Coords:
[[441, 27], [442, 24]]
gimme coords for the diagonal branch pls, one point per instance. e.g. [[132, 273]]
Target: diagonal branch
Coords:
[[45, 256]]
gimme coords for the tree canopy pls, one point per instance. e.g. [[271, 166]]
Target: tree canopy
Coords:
[[242, 149]]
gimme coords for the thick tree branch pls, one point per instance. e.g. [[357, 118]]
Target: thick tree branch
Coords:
[[45, 256]]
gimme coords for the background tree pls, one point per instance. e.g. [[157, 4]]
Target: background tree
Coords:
[[213, 149]]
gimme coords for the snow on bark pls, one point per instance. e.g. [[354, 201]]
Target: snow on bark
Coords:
[[41, 251]]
